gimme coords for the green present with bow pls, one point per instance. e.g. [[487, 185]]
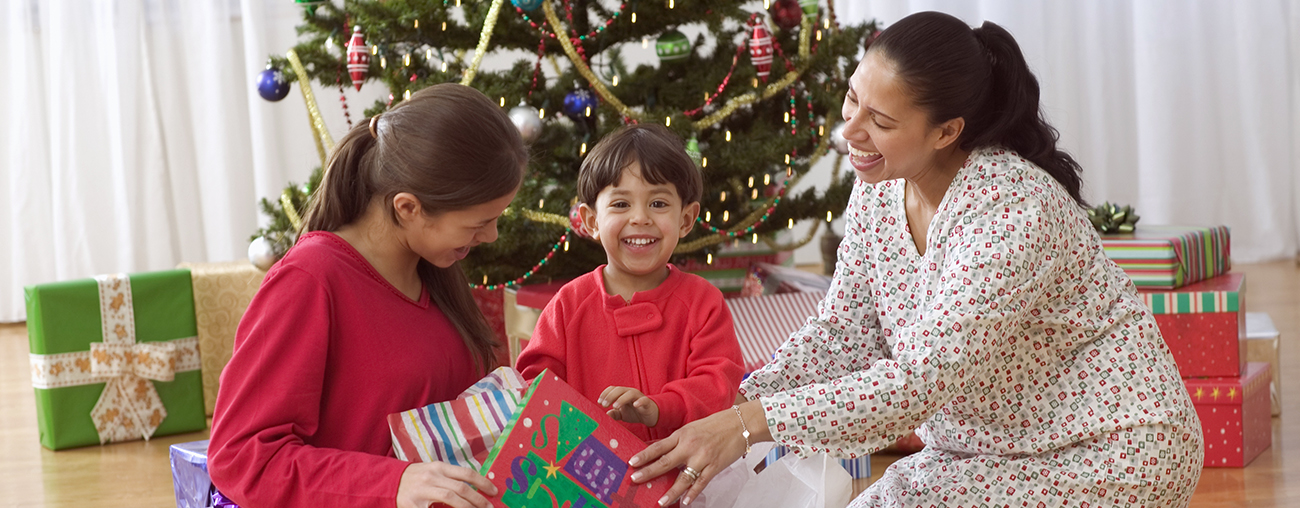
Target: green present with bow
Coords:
[[114, 358]]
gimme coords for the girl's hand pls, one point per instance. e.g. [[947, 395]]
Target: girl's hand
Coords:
[[630, 405], [426, 483], [704, 447]]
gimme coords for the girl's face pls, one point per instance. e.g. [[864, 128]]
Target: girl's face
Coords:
[[446, 237], [638, 223], [889, 136]]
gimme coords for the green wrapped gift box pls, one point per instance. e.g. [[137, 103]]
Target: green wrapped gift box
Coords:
[[114, 358]]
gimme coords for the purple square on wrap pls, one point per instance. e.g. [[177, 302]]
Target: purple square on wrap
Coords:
[[596, 467]]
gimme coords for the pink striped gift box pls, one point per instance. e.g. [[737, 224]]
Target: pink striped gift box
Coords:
[[764, 322], [461, 431]]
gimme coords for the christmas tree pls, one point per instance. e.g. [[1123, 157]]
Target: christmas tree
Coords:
[[757, 95]]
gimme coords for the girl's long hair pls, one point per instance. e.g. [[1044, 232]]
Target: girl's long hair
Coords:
[[452, 148]]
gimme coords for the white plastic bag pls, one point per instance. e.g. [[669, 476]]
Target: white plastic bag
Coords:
[[815, 482]]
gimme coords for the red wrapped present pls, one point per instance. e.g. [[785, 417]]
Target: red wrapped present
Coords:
[[563, 450], [764, 322], [491, 302], [1234, 415], [1169, 257], [536, 296], [1204, 325]]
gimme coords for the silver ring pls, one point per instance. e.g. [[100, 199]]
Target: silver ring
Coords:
[[691, 472]]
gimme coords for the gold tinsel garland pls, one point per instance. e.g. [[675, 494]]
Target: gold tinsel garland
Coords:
[[581, 66], [484, 37], [289, 211], [324, 142]]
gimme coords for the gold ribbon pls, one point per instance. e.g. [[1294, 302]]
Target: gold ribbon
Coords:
[[483, 38], [129, 406], [324, 142]]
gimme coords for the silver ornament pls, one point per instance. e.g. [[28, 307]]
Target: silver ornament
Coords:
[[527, 120], [837, 139], [262, 254]]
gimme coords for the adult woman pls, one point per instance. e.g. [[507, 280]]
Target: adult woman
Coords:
[[971, 302]]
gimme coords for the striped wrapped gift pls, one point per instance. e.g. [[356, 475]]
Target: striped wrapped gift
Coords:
[[461, 431], [1168, 257], [764, 322], [1204, 324], [858, 468]]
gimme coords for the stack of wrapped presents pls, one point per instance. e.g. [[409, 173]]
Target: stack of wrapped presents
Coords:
[[1183, 274]]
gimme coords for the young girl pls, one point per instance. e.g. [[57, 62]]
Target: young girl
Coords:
[[369, 314]]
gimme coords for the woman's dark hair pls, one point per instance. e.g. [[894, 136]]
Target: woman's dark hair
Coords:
[[660, 152], [980, 75], [449, 146]]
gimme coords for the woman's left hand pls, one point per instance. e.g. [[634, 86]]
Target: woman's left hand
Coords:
[[702, 449]]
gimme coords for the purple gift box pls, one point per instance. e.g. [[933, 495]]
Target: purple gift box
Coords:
[[190, 477]]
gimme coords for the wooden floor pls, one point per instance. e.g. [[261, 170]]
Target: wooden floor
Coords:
[[138, 473]]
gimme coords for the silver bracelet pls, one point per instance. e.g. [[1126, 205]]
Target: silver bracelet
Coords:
[[744, 430]]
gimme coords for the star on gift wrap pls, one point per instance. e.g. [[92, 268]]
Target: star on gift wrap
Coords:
[[551, 469]]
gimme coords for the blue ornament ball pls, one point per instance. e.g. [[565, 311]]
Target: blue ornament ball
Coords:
[[272, 85], [577, 102], [527, 5]]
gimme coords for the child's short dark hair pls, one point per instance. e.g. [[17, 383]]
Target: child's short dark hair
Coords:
[[660, 152]]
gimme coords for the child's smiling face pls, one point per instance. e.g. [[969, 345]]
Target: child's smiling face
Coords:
[[638, 223]]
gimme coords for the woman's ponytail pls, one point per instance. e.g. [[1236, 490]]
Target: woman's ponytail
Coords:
[[980, 75], [1011, 115]]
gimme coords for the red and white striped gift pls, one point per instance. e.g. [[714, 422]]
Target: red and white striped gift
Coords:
[[764, 322]]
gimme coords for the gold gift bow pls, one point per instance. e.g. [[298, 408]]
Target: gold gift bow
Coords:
[[129, 406]]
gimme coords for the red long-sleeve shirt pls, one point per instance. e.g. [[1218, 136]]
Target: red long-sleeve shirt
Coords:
[[675, 343], [326, 350]]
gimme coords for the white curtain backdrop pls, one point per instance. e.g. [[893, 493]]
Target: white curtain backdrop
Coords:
[[133, 139]]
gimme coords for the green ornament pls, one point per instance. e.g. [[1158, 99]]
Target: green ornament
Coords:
[[574, 427], [1112, 219], [672, 47], [809, 6], [693, 150]]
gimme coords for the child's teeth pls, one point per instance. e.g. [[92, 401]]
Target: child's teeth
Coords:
[[862, 153]]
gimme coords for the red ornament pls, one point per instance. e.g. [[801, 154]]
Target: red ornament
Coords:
[[575, 221], [760, 50], [358, 58], [786, 13]]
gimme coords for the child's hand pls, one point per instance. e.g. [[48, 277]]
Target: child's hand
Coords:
[[630, 405], [427, 483]]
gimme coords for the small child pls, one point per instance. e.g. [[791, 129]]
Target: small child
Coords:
[[654, 344]]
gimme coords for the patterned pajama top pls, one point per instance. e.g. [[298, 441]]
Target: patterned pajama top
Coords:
[[1020, 354]]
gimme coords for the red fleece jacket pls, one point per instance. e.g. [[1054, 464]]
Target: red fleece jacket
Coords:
[[675, 343]]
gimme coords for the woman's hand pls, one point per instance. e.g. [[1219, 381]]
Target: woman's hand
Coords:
[[426, 483], [630, 405], [704, 447]]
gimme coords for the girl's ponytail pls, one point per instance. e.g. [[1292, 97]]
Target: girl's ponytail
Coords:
[[345, 188]]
